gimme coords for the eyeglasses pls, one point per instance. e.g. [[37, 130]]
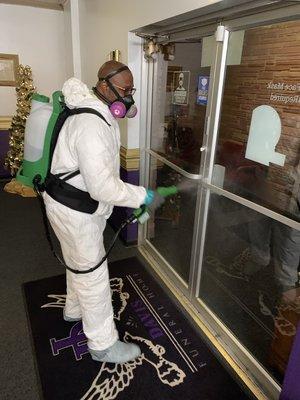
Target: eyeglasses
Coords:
[[127, 92]]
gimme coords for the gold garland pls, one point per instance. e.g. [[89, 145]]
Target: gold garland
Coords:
[[24, 90]]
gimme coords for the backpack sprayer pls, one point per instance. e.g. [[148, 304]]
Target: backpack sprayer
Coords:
[[41, 133]]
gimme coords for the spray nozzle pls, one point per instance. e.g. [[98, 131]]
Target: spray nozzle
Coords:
[[166, 191]]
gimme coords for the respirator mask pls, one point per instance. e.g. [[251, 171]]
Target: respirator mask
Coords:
[[122, 106]]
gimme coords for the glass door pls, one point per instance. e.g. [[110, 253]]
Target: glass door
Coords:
[[224, 127], [248, 269], [180, 95]]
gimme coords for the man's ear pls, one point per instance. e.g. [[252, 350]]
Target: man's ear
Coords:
[[102, 85]]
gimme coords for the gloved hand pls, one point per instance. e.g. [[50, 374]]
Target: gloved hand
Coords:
[[154, 200], [149, 197]]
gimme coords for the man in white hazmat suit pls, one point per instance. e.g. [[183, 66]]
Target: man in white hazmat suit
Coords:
[[88, 144]]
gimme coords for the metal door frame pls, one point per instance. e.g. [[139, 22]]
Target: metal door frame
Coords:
[[148, 69], [231, 345]]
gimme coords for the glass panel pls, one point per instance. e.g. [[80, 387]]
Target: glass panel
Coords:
[[259, 136], [180, 91], [170, 229], [249, 279]]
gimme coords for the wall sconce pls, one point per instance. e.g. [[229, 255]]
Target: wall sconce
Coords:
[[115, 55]]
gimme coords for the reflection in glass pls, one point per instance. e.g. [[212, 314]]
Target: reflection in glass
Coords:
[[259, 139], [250, 279], [170, 230], [180, 94]]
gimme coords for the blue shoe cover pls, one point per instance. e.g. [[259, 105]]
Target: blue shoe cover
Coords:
[[70, 319], [118, 353]]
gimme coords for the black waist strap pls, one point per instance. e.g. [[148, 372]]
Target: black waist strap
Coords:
[[69, 195]]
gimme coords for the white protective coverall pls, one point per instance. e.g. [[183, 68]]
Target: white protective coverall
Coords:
[[87, 143]]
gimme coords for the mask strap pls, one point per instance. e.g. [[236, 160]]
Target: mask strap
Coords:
[[100, 96], [111, 86], [109, 76], [107, 80], [113, 73]]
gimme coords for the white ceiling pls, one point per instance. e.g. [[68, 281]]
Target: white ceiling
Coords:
[[52, 4]]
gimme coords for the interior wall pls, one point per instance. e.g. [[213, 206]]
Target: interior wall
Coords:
[[68, 40], [37, 36], [104, 26]]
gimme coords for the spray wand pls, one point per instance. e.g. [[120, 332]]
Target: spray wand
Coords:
[[142, 214]]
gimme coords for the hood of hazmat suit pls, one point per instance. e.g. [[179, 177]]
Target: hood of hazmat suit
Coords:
[[87, 143]]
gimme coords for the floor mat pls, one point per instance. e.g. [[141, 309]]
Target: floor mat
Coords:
[[175, 362]]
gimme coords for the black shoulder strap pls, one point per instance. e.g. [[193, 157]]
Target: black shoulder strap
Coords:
[[87, 110], [67, 112]]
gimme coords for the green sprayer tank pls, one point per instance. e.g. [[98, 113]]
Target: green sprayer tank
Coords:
[[37, 139]]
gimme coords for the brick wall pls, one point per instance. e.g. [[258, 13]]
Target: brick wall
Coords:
[[270, 54]]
